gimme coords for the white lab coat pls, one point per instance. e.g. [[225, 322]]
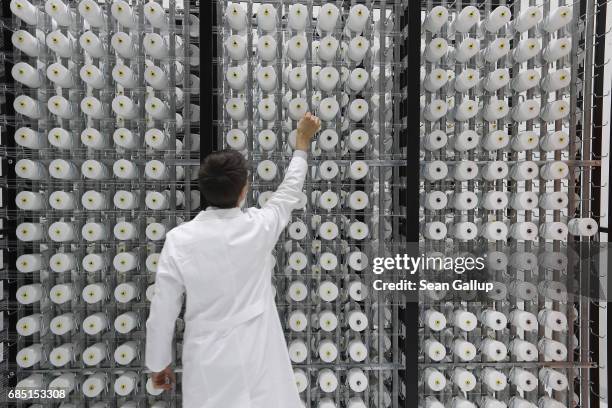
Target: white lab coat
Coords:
[[234, 350]]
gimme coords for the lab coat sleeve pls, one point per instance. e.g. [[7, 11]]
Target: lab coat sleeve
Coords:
[[277, 210], [165, 308]]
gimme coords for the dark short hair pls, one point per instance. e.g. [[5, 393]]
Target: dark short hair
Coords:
[[222, 177]]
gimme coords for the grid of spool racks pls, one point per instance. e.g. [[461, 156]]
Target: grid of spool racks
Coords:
[[106, 102], [290, 58], [502, 159]]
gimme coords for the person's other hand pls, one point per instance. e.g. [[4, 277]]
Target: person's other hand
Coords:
[[307, 127], [164, 379]]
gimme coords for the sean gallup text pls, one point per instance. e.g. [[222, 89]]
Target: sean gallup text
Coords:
[[423, 284]]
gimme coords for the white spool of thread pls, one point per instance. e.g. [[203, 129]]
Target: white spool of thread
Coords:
[[496, 80], [156, 231], [435, 320], [235, 16], [156, 15], [494, 379], [297, 78], [328, 321], [157, 139], [297, 17], [62, 231], [124, 76], [434, 349], [463, 349], [65, 382], [436, 109], [125, 107], [434, 80], [357, 320], [158, 78], [357, 18], [494, 350], [266, 77], [435, 50], [94, 385], [151, 389], [358, 109], [298, 351], [61, 107], [556, 261], [28, 325], [495, 170], [586, 227], [488, 402], [464, 141], [30, 201], [30, 232], [125, 261], [29, 356], [27, 75], [358, 78], [267, 108], [556, 80], [327, 379], [434, 200], [557, 49], [62, 45], [466, 50], [29, 138], [94, 262], [62, 262], [126, 322], [328, 47], [555, 170], [553, 379], [528, 18], [358, 170], [236, 139], [435, 19], [328, 230], [297, 47], [156, 170], [553, 231], [266, 17], [463, 379], [236, 47], [267, 170], [26, 11], [328, 108], [126, 383], [157, 108], [497, 139], [526, 140], [523, 379], [465, 170], [94, 170], [357, 48], [548, 402], [435, 170], [125, 169], [493, 319], [125, 200], [466, 110], [554, 141], [494, 200], [123, 13], [151, 262], [92, 76], [297, 291], [61, 138], [523, 81], [357, 260], [357, 381], [298, 261], [328, 261], [497, 18], [94, 293], [525, 231], [357, 351], [236, 108], [554, 111], [297, 230], [327, 18], [266, 48], [94, 200], [328, 170], [496, 50], [494, 231], [358, 200], [357, 140], [434, 379], [525, 170], [557, 18], [552, 319], [523, 320], [92, 13], [61, 325], [95, 354], [526, 49], [434, 230], [157, 46], [464, 320], [495, 109], [467, 79], [125, 231], [357, 291], [328, 291], [327, 79], [466, 19], [526, 200], [297, 321], [27, 43], [30, 263], [95, 323], [92, 44], [126, 352], [26, 106]]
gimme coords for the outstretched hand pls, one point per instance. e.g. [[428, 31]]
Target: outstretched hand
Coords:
[[164, 379], [307, 127]]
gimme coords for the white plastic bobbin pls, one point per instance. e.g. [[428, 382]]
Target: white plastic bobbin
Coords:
[[95, 323], [94, 385], [126, 292], [297, 321], [28, 325], [62, 200], [63, 262], [94, 354], [465, 350], [62, 324], [126, 353], [94, 293], [328, 291], [298, 351]]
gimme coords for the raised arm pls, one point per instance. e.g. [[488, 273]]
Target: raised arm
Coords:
[[165, 308], [277, 209]]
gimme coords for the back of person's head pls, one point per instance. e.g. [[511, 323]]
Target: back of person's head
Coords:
[[222, 177]]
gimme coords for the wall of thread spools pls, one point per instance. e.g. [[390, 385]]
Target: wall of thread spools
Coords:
[[106, 105], [502, 165], [288, 59]]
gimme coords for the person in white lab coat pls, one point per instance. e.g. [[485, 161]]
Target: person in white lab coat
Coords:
[[234, 351]]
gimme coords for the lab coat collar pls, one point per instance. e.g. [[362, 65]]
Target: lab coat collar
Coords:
[[214, 212]]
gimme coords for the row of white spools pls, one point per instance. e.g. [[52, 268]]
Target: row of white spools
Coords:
[[122, 383]]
